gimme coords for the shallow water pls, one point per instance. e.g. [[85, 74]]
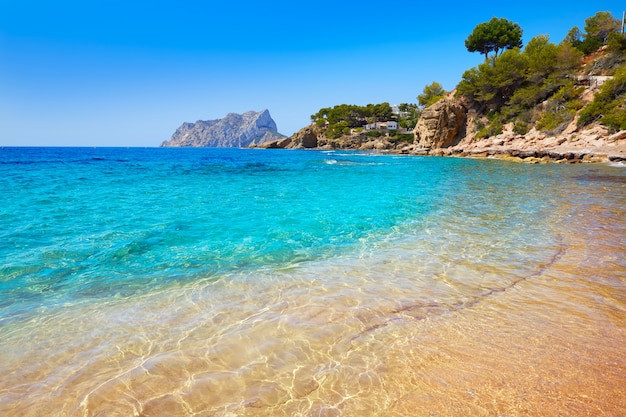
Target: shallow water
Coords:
[[245, 282]]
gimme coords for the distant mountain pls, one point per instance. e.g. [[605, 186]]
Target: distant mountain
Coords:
[[233, 131]]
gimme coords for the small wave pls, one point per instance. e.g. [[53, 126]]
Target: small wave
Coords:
[[330, 161]]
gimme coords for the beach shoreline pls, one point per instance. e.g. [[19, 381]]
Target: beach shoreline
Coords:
[[492, 289]]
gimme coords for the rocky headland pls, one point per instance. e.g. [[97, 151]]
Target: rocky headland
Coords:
[[234, 130], [448, 128], [568, 109]]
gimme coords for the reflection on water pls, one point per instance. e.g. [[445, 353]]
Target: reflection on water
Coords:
[[365, 337], [453, 321]]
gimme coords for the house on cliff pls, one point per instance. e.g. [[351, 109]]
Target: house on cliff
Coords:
[[389, 125]]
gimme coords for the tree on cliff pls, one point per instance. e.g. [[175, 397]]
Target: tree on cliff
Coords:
[[600, 25], [598, 29], [431, 94], [495, 35], [509, 87]]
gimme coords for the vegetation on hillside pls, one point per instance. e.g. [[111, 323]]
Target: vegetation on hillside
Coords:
[[534, 86], [341, 119], [609, 105], [538, 86], [596, 32]]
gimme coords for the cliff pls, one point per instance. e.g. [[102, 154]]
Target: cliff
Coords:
[[234, 130], [441, 125], [448, 128]]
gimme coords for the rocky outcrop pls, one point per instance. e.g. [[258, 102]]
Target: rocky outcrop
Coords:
[[594, 144], [441, 125], [305, 138], [275, 144], [234, 130], [443, 130]]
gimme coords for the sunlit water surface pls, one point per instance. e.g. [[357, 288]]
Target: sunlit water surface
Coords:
[[214, 282]]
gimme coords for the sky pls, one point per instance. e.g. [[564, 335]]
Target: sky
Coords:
[[129, 73]]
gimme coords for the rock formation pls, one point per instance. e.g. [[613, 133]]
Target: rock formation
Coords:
[[235, 130], [592, 144], [441, 125], [305, 138]]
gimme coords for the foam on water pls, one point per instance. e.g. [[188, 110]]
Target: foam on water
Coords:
[[244, 282]]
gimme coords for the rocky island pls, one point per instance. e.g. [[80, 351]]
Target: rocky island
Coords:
[[235, 130]]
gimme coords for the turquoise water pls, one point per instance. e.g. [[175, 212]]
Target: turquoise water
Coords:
[[165, 244], [81, 223], [84, 223]]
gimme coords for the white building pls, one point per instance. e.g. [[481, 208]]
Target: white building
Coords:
[[395, 109], [389, 125]]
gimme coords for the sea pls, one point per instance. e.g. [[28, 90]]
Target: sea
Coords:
[[250, 282]]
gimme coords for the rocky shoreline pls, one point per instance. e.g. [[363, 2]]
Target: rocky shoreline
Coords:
[[448, 129], [596, 144], [592, 145]]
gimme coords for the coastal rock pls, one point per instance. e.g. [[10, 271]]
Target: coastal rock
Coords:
[[617, 137], [305, 138], [378, 145], [234, 130], [276, 144], [591, 144], [441, 125]]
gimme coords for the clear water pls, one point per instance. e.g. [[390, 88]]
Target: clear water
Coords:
[[261, 282]]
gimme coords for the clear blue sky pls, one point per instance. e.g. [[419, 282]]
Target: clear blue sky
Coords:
[[128, 73]]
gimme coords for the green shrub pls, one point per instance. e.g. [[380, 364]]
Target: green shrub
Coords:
[[373, 133], [336, 130], [609, 104], [567, 93], [520, 127], [494, 128], [615, 119], [555, 122], [590, 114], [616, 43], [402, 137], [561, 109], [589, 45]]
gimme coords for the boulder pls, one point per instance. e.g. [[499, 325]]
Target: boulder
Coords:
[[276, 144], [441, 125], [305, 138]]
